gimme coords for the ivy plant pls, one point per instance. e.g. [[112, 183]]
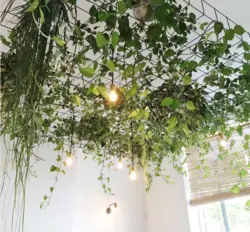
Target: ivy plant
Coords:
[[59, 72]]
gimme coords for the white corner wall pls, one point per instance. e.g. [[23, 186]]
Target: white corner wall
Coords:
[[78, 203], [167, 209]]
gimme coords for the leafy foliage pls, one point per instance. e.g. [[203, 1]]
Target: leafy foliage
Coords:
[[54, 98]]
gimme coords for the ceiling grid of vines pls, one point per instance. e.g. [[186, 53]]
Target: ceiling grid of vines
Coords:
[[140, 81]]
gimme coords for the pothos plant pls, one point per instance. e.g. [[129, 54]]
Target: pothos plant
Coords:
[[119, 86]]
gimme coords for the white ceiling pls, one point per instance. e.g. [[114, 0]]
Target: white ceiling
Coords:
[[238, 11]]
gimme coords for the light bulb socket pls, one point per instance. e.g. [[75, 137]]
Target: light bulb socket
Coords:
[[221, 136], [112, 86]]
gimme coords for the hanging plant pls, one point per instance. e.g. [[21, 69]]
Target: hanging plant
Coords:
[[119, 89]]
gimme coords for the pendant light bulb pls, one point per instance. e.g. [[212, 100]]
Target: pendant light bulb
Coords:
[[223, 143], [120, 165], [69, 161], [133, 175], [113, 96]]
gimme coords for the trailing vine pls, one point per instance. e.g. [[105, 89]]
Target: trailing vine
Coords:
[[57, 77]]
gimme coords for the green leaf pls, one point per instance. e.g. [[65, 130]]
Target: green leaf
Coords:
[[87, 72], [218, 27], [240, 130], [33, 6], [121, 7], [235, 189], [246, 146], [102, 15], [76, 99], [53, 168], [243, 173], [59, 146], [198, 167], [110, 65], [192, 17], [102, 90], [5, 42], [132, 114], [239, 30], [93, 11], [232, 143], [203, 25], [45, 198], [173, 121], [115, 39], [167, 101], [73, 2], [157, 2], [187, 80], [101, 40], [245, 45], [59, 41], [229, 34], [93, 89], [41, 15], [154, 31], [150, 134], [51, 189], [248, 204], [186, 130], [192, 65], [218, 96], [176, 104], [190, 105], [247, 56], [63, 172], [132, 91]]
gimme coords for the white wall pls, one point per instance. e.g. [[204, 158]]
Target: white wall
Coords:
[[166, 205], [78, 203]]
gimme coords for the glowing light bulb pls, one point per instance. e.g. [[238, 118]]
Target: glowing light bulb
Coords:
[[120, 165], [113, 96], [69, 161], [246, 159], [223, 143], [133, 175]]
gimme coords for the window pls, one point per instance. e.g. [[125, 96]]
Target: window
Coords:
[[213, 203], [223, 216]]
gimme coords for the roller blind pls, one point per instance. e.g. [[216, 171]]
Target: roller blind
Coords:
[[224, 171]]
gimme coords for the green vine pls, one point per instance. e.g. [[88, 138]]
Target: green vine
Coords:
[[56, 77]]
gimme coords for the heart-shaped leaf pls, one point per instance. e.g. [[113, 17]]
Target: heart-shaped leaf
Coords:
[[218, 27], [59, 41], [239, 30], [111, 65], [76, 99], [132, 114], [167, 101], [190, 105], [115, 39], [121, 7], [101, 40], [87, 72]]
